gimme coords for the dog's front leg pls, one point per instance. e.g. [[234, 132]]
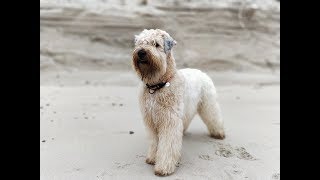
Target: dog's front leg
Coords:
[[170, 131], [152, 151]]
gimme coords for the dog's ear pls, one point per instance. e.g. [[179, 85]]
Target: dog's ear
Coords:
[[169, 42]]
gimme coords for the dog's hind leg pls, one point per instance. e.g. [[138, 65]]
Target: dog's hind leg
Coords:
[[210, 113]]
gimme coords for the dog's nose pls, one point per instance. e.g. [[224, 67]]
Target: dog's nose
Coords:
[[142, 53]]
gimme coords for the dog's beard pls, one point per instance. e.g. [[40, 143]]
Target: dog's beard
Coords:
[[151, 69]]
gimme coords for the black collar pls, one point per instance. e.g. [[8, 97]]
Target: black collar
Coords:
[[153, 88]]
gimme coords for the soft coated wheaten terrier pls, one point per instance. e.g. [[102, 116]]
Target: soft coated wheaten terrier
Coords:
[[170, 98]]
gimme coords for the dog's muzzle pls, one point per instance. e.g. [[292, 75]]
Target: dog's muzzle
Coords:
[[142, 56]]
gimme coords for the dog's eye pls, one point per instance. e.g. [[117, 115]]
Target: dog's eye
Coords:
[[157, 45]]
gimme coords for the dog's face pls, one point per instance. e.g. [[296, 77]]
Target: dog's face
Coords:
[[152, 53]]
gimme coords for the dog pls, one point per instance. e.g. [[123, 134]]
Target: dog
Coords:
[[170, 98]]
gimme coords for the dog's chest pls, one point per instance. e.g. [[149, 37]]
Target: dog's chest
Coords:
[[160, 104], [150, 103], [149, 108]]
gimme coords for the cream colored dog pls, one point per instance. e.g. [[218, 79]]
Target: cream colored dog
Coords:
[[170, 98]]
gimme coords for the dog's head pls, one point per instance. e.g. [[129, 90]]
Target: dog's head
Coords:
[[152, 56]]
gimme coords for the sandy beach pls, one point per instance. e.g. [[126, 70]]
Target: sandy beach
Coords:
[[92, 129], [90, 123]]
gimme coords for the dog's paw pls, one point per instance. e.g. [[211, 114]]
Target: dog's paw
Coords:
[[150, 161], [164, 171], [220, 135]]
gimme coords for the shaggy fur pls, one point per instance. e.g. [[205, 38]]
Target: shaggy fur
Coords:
[[168, 112]]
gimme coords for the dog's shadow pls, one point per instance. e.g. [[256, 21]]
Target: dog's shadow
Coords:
[[200, 141], [197, 137]]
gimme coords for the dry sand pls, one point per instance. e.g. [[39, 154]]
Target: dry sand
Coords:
[[86, 119]]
